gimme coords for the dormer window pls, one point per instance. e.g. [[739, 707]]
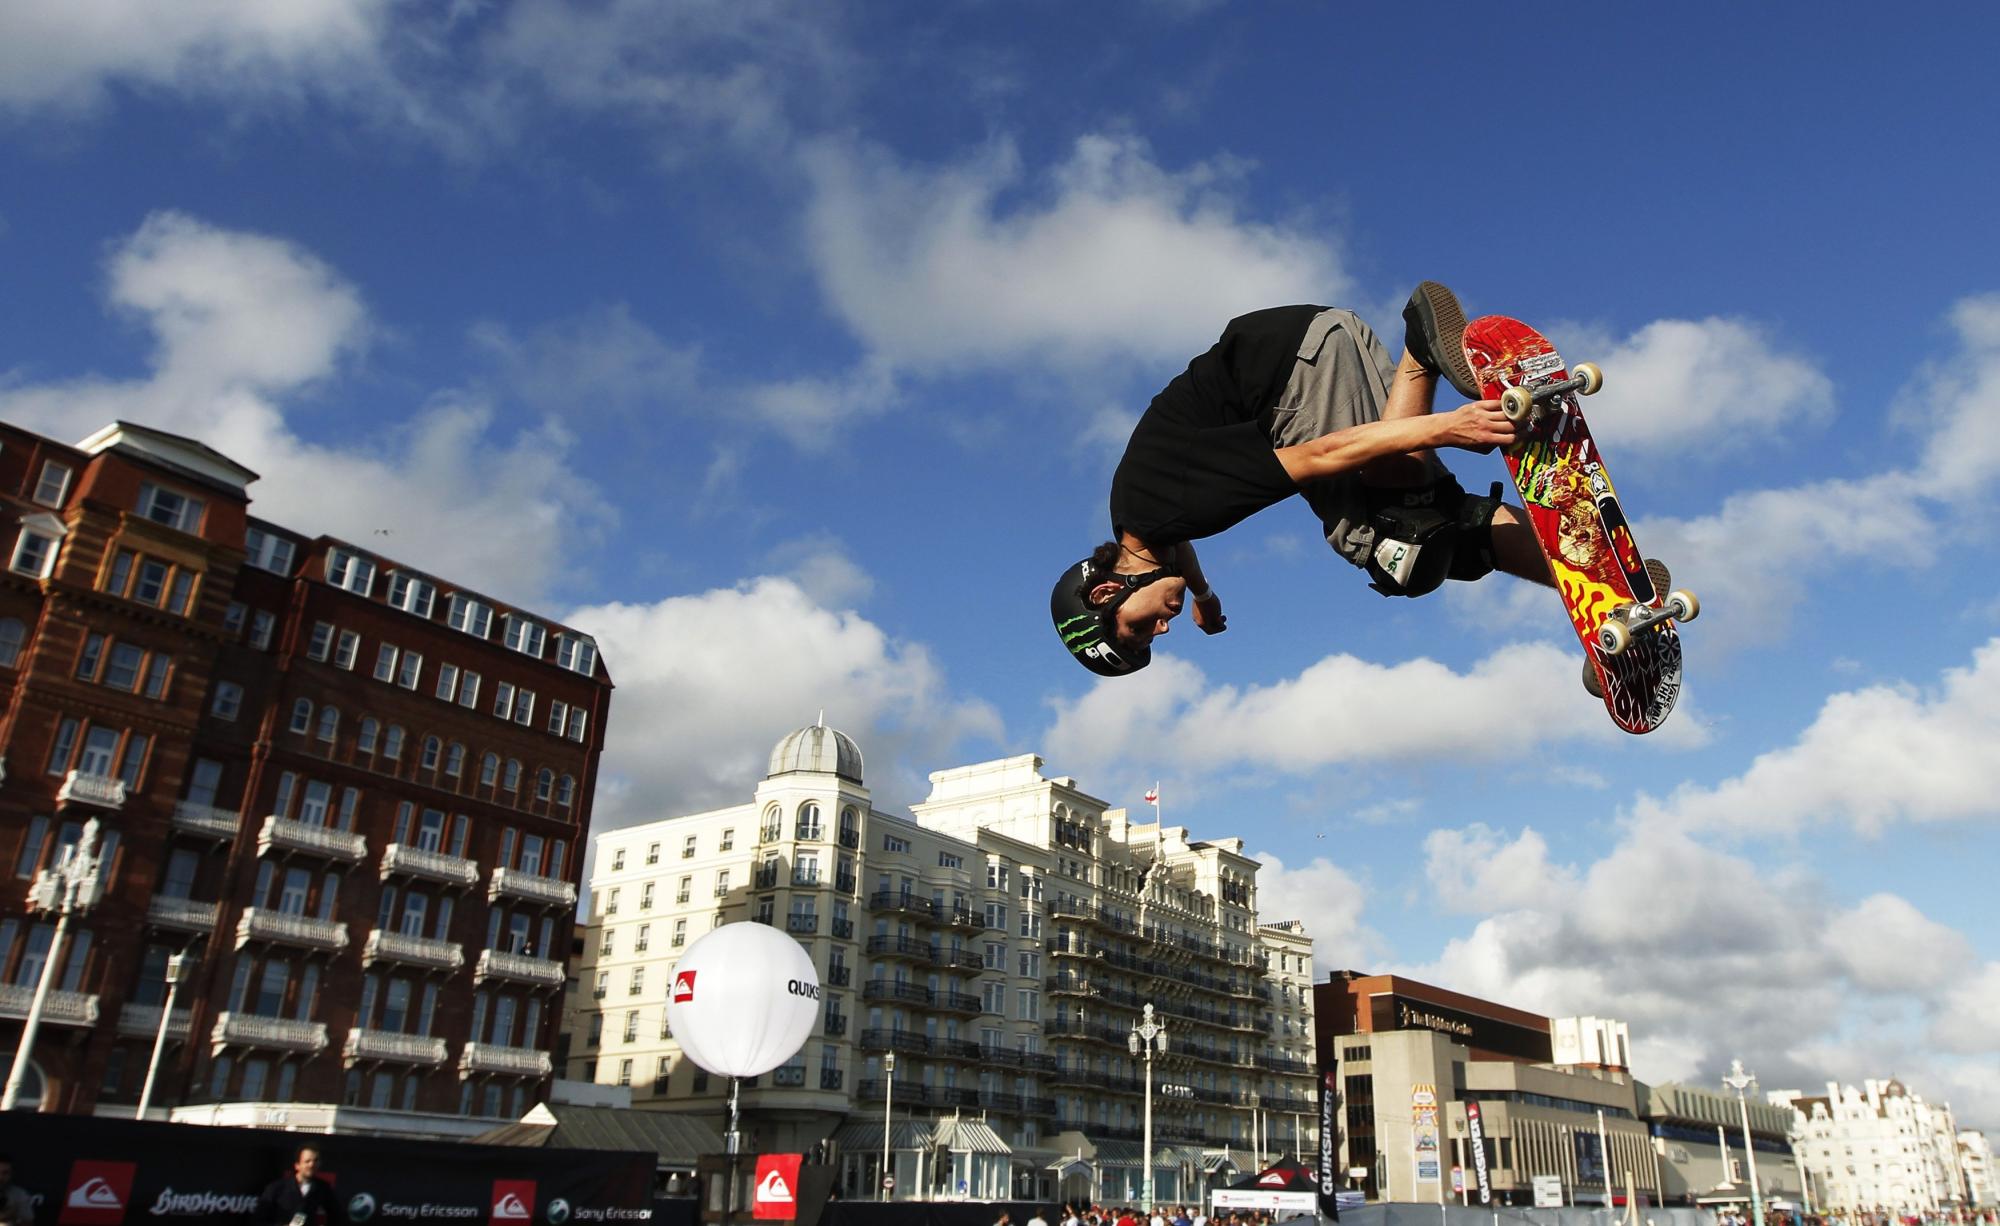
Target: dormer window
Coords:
[[411, 593], [576, 653], [170, 507], [35, 549], [468, 615], [350, 571], [524, 636], [267, 552]]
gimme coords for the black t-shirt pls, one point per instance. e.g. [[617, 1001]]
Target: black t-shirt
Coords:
[[1200, 459]]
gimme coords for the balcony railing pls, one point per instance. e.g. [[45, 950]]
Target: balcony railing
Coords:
[[957, 1002], [802, 922], [957, 1049], [836, 1025], [412, 951], [791, 1077], [844, 882], [206, 820], [509, 1061], [884, 1039], [892, 989], [521, 968], [960, 959], [830, 1078], [896, 900], [97, 791], [807, 881], [850, 838], [915, 1093], [182, 914], [891, 943], [428, 865], [839, 976], [513, 883], [59, 1008], [143, 1022], [284, 928], [810, 834], [282, 834], [844, 929], [763, 879], [275, 1033], [388, 1047]]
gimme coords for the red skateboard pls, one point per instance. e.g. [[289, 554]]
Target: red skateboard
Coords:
[[1616, 601]]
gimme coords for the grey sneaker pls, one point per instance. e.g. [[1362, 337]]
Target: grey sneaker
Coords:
[[1434, 333]]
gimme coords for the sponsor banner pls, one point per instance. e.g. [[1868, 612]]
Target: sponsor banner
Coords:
[[97, 1172], [1424, 1133], [1548, 1191], [1475, 1132], [775, 1194], [1329, 1145]]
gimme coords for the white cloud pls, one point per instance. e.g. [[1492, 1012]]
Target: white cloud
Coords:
[[1678, 385], [603, 361], [1109, 257], [1330, 902], [1886, 945], [822, 568], [1473, 870], [1332, 713], [1873, 757], [708, 683], [1965, 1024], [70, 55], [245, 325]]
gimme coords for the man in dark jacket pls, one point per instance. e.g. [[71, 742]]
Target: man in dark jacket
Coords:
[[301, 1199]]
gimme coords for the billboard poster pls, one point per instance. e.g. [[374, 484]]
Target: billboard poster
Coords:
[[1589, 1159], [1475, 1132], [83, 1171], [1329, 1146], [1424, 1133]]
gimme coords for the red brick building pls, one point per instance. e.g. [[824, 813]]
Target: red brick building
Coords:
[[357, 793]]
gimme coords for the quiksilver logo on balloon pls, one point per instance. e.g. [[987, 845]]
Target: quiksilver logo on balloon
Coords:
[[797, 988], [683, 987]]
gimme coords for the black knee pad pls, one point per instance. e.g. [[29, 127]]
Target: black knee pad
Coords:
[[1413, 550], [1473, 518]]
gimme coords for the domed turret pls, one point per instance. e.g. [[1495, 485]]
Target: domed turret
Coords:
[[817, 749]]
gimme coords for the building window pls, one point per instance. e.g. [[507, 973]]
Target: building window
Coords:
[[350, 571], [524, 707], [511, 778], [350, 646], [302, 715], [411, 594], [524, 636], [267, 552], [577, 718], [454, 760], [321, 645], [170, 507], [469, 616], [392, 743], [412, 670], [12, 635], [447, 686], [329, 724], [228, 701], [34, 553], [687, 848], [545, 784], [385, 662], [54, 485], [576, 653], [468, 690], [263, 625]]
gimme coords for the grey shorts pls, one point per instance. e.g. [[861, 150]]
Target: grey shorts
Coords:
[[1341, 379]]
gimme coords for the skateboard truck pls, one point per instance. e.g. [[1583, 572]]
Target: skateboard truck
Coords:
[[1627, 620], [1518, 403]]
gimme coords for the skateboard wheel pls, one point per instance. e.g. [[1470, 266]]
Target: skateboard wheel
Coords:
[[1683, 605], [1592, 377], [1517, 403], [1614, 637]]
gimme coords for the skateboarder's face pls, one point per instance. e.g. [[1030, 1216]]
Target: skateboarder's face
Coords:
[[1146, 612]]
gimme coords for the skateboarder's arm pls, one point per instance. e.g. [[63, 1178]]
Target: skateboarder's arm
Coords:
[[1207, 605], [1479, 424]]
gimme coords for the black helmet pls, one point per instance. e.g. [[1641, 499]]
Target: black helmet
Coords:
[[1088, 630]]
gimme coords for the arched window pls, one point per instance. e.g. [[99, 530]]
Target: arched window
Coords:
[[432, 749], [364, 741], [302, 715], [392, 742], [454, 760], [773, 827], [329, 723], [808, 823], [12, 635], [489, 770], [850, 827], [512, 779], [545, 783], [566, 790]]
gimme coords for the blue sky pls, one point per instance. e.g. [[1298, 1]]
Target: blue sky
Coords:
[[789, 348]]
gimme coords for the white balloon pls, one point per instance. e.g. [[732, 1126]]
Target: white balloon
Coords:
[[743, 999]]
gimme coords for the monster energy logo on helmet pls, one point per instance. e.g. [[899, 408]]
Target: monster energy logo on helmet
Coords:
[[1087, 630]]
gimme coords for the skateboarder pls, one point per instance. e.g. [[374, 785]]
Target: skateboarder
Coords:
[[1296, 400]]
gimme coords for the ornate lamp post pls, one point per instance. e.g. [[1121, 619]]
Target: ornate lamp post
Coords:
[[1739, 1081], [888, 1097], [68, 888], [1144, 1038]]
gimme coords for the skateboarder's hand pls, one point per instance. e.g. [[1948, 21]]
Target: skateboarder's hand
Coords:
[[1478, 426], [1208, 614]]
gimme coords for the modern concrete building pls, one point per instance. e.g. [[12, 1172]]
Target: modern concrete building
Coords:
[[998, 945], [1698, 1137], [1876, 1148], [354, 793]]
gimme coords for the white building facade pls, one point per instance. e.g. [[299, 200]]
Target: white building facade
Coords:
[[1876, 1148], [999, 947]]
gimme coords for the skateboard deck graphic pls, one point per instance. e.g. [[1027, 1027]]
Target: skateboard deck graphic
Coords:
[[1575, 511]]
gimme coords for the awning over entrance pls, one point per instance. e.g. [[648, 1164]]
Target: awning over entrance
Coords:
[[963, 1136], [867, 1138], [1130, 1155]]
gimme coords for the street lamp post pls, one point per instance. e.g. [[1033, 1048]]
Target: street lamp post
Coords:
[[1740, 1081], [888, 1097], [68, 888], [1144, 1038], [175, 967]]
